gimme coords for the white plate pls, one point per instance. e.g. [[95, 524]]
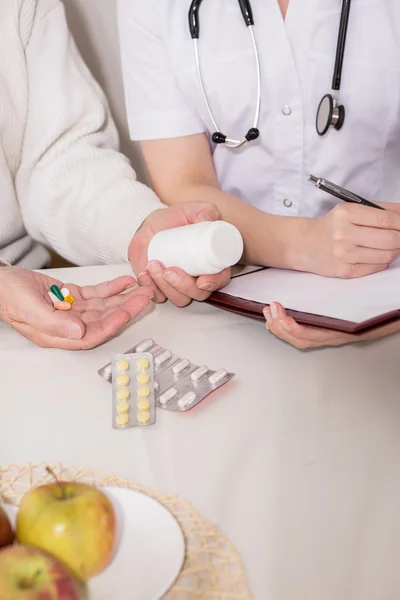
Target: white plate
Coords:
[[150, 552]]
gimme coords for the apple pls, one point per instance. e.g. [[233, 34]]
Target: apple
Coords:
[[73, 521], [6, 532], [31, 574]]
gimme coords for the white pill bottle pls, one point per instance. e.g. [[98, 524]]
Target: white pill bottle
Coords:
[[204, 248]]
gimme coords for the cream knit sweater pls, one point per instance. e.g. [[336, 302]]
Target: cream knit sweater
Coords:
[[62, 182]]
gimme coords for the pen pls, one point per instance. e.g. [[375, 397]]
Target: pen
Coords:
[[341, 193]]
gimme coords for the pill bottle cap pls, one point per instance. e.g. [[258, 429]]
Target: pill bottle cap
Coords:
[[224, 244]]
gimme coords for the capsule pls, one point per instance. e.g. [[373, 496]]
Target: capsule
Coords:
[[180, 366], [198, 373], [57, 292], [162, 358], [168, 395], [144, 346], [187, 399], [216, 377]]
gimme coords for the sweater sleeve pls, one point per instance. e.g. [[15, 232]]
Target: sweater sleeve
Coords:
[[77, 193]]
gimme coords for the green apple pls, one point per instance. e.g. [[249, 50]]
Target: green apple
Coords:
[[31, 574], [6, 532], [73, 521]]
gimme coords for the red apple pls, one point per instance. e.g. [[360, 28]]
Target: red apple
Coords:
[[31, 574], [6, 532], [73, 521]]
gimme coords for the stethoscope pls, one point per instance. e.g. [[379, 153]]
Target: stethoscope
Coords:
[[329, 114]]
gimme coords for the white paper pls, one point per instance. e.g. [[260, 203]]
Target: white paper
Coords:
[[355, 300]]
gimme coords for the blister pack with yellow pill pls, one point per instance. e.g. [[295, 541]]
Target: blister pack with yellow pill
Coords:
[[133, 390]]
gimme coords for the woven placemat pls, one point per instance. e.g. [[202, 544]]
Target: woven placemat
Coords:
[[213, 569]]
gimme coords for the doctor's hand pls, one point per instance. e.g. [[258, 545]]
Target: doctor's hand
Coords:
[[173, 283], [98, 313], [352, 241], [305, 337]]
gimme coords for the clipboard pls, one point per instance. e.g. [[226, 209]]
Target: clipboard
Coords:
[[243, 298]]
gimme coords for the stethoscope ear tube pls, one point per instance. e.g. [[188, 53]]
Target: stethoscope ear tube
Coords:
[[247, 12], [194, 23], [218, 137]]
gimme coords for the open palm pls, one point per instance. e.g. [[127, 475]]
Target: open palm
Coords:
[[98, 313]]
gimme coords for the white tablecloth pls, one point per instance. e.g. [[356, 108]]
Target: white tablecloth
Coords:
[[296, 459]]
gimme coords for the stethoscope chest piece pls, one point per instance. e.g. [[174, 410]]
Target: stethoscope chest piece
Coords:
[[329, 114]]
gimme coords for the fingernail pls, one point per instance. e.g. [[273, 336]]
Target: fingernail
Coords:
[[144, 278], [287, 326], [274, 310], [267, 316], [207, 286], [73, 331], [171, 277], [154, 269], [132, 284], [204, 216]]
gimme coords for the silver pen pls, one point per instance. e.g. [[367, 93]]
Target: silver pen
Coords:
[[341, 193]]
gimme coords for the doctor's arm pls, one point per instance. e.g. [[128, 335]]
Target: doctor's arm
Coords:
[[350, 241], [182, 169]]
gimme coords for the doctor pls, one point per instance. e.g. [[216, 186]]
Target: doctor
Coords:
[[237, 102]]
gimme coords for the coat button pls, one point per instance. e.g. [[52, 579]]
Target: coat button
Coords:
[[287, 110], [288, 203]]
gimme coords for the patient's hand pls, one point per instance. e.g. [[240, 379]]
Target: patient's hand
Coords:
[[174, 284], [98, 313]]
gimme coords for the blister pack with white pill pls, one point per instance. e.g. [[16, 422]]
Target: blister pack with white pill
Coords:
[[133, 390], [191, 390], [172, 375], [179, 384]]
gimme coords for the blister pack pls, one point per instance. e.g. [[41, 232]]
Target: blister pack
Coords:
[[179, 384], [189, 391], [106, 371], [133, 390]]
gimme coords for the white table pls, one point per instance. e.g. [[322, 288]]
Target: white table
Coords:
[[296, 459]]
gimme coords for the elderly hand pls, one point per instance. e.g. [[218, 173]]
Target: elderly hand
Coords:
[[173, 283], [98, 313], [305, 337]]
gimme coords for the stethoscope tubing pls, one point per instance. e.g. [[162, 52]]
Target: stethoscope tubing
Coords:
[[231, 143], [335, 116], [341, 44]]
